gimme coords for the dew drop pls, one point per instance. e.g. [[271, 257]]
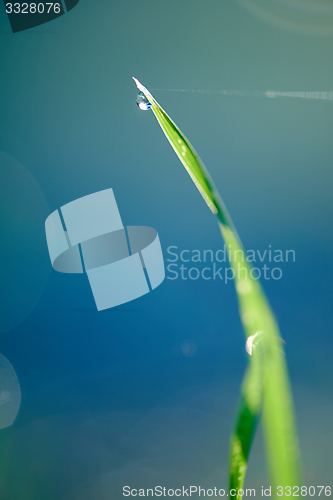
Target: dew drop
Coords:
[[143, 102]]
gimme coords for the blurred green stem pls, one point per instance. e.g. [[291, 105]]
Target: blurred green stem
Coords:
[[266, 383]]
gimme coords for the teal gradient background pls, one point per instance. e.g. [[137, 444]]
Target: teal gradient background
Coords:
[[113, 398]]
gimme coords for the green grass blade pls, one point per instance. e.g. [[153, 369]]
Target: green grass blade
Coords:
[[185, 152], [259, 324], [246, 423]]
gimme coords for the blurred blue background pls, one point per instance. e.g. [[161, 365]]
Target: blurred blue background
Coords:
[[145, 393]]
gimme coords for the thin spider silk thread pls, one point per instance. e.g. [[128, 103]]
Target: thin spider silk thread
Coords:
[[323, 95]]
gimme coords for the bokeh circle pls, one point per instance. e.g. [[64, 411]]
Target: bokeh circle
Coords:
[[24, 263]]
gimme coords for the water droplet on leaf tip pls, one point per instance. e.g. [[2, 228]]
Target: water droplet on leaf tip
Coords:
[[143, 102]]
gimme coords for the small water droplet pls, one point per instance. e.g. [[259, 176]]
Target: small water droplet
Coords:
[[143, 102], [256, 340]]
